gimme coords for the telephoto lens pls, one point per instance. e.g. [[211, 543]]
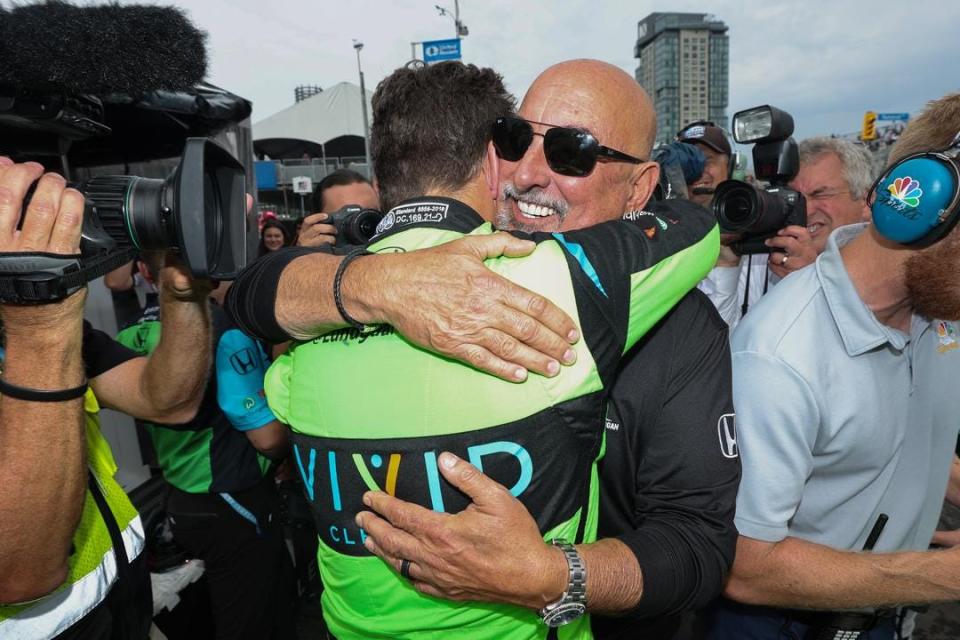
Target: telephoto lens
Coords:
[[757, 214], [198, 211]]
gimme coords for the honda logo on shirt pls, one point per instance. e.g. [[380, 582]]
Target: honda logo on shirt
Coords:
[[243, 361], [727, 430]]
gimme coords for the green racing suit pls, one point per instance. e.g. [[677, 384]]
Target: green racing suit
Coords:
[[372, 411]]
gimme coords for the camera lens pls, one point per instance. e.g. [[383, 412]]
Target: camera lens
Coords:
[[212, 203], [360, 226], [367, 223], [197, 211], [736, 205], [743, 208], [127, 207], [737, 209]]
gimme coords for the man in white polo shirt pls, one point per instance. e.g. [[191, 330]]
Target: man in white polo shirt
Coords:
[[845, 385]]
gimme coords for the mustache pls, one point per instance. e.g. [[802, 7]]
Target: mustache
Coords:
[[535, 195]]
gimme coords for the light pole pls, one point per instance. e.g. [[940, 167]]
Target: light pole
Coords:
[[363, 103], [460, 28]]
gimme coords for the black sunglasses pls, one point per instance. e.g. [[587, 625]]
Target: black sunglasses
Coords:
[[569, 152]]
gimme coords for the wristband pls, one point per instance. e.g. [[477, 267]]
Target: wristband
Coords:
[[338, 279], [41, 395]]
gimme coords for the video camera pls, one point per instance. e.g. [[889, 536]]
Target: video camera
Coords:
[[757, 214], [53, 107], [355, 225]]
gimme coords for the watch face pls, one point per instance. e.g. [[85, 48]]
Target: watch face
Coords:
[[564, 613]]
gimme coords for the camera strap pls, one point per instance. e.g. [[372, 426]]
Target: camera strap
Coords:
[[42, 278], [746, 289]]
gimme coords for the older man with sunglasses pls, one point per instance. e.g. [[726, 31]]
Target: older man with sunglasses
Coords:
[[575, 158]]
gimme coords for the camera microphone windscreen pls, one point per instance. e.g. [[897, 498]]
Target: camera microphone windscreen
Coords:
[[57, 47]]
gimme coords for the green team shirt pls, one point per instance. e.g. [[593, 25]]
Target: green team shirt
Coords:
[[373, 412], [211, 453]]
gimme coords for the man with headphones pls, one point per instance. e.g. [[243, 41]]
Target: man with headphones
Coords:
[[844, 384]]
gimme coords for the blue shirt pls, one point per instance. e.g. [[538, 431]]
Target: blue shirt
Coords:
[[841, 418]]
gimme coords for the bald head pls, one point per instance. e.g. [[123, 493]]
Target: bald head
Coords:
[[605, 101], [591, 91]]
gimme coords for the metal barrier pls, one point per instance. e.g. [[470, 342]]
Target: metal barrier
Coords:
[[317, 168]]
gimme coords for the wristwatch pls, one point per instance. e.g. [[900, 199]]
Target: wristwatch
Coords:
[[573, 603]]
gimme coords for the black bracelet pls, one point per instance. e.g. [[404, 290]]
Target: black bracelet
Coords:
[[338, 279], [41, 395]]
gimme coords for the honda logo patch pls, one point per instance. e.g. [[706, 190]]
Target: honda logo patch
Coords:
[[727, 430], [243, 361]]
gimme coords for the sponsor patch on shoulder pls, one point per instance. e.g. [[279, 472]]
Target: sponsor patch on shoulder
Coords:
[[647, 221]]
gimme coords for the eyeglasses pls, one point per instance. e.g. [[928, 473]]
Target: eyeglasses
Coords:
[[569, 151]]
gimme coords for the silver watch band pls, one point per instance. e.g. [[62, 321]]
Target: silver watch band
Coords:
[[573, 603], [577, 580]]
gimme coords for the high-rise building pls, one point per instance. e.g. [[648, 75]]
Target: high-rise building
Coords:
[[684, 66]]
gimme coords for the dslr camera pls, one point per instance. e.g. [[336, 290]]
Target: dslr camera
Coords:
[[757, 214], [355, 225]]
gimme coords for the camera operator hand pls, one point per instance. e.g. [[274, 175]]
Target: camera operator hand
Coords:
[[792, 249], [315, 233], [728, 257], [43, 352], [175, 278], [51, 225]]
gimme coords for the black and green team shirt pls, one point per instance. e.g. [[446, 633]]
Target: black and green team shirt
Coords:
[[211, 453], [373, 412]]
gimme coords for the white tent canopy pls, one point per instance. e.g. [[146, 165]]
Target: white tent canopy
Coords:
[[332, 113]]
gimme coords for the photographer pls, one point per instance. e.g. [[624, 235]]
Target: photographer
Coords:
[[712, 141], [834, 177], [846, 414], [63, 518], [341, 188]]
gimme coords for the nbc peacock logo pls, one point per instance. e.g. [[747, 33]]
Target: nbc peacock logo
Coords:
[[906, 190]]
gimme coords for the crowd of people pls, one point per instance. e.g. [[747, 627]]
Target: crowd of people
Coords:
[[602, 423]]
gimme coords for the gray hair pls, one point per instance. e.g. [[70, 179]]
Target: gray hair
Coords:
[[857, 168]]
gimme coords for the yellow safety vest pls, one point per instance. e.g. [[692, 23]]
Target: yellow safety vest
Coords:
[[93, 565]]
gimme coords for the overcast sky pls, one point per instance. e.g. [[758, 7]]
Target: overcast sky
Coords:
[[825, 61]]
